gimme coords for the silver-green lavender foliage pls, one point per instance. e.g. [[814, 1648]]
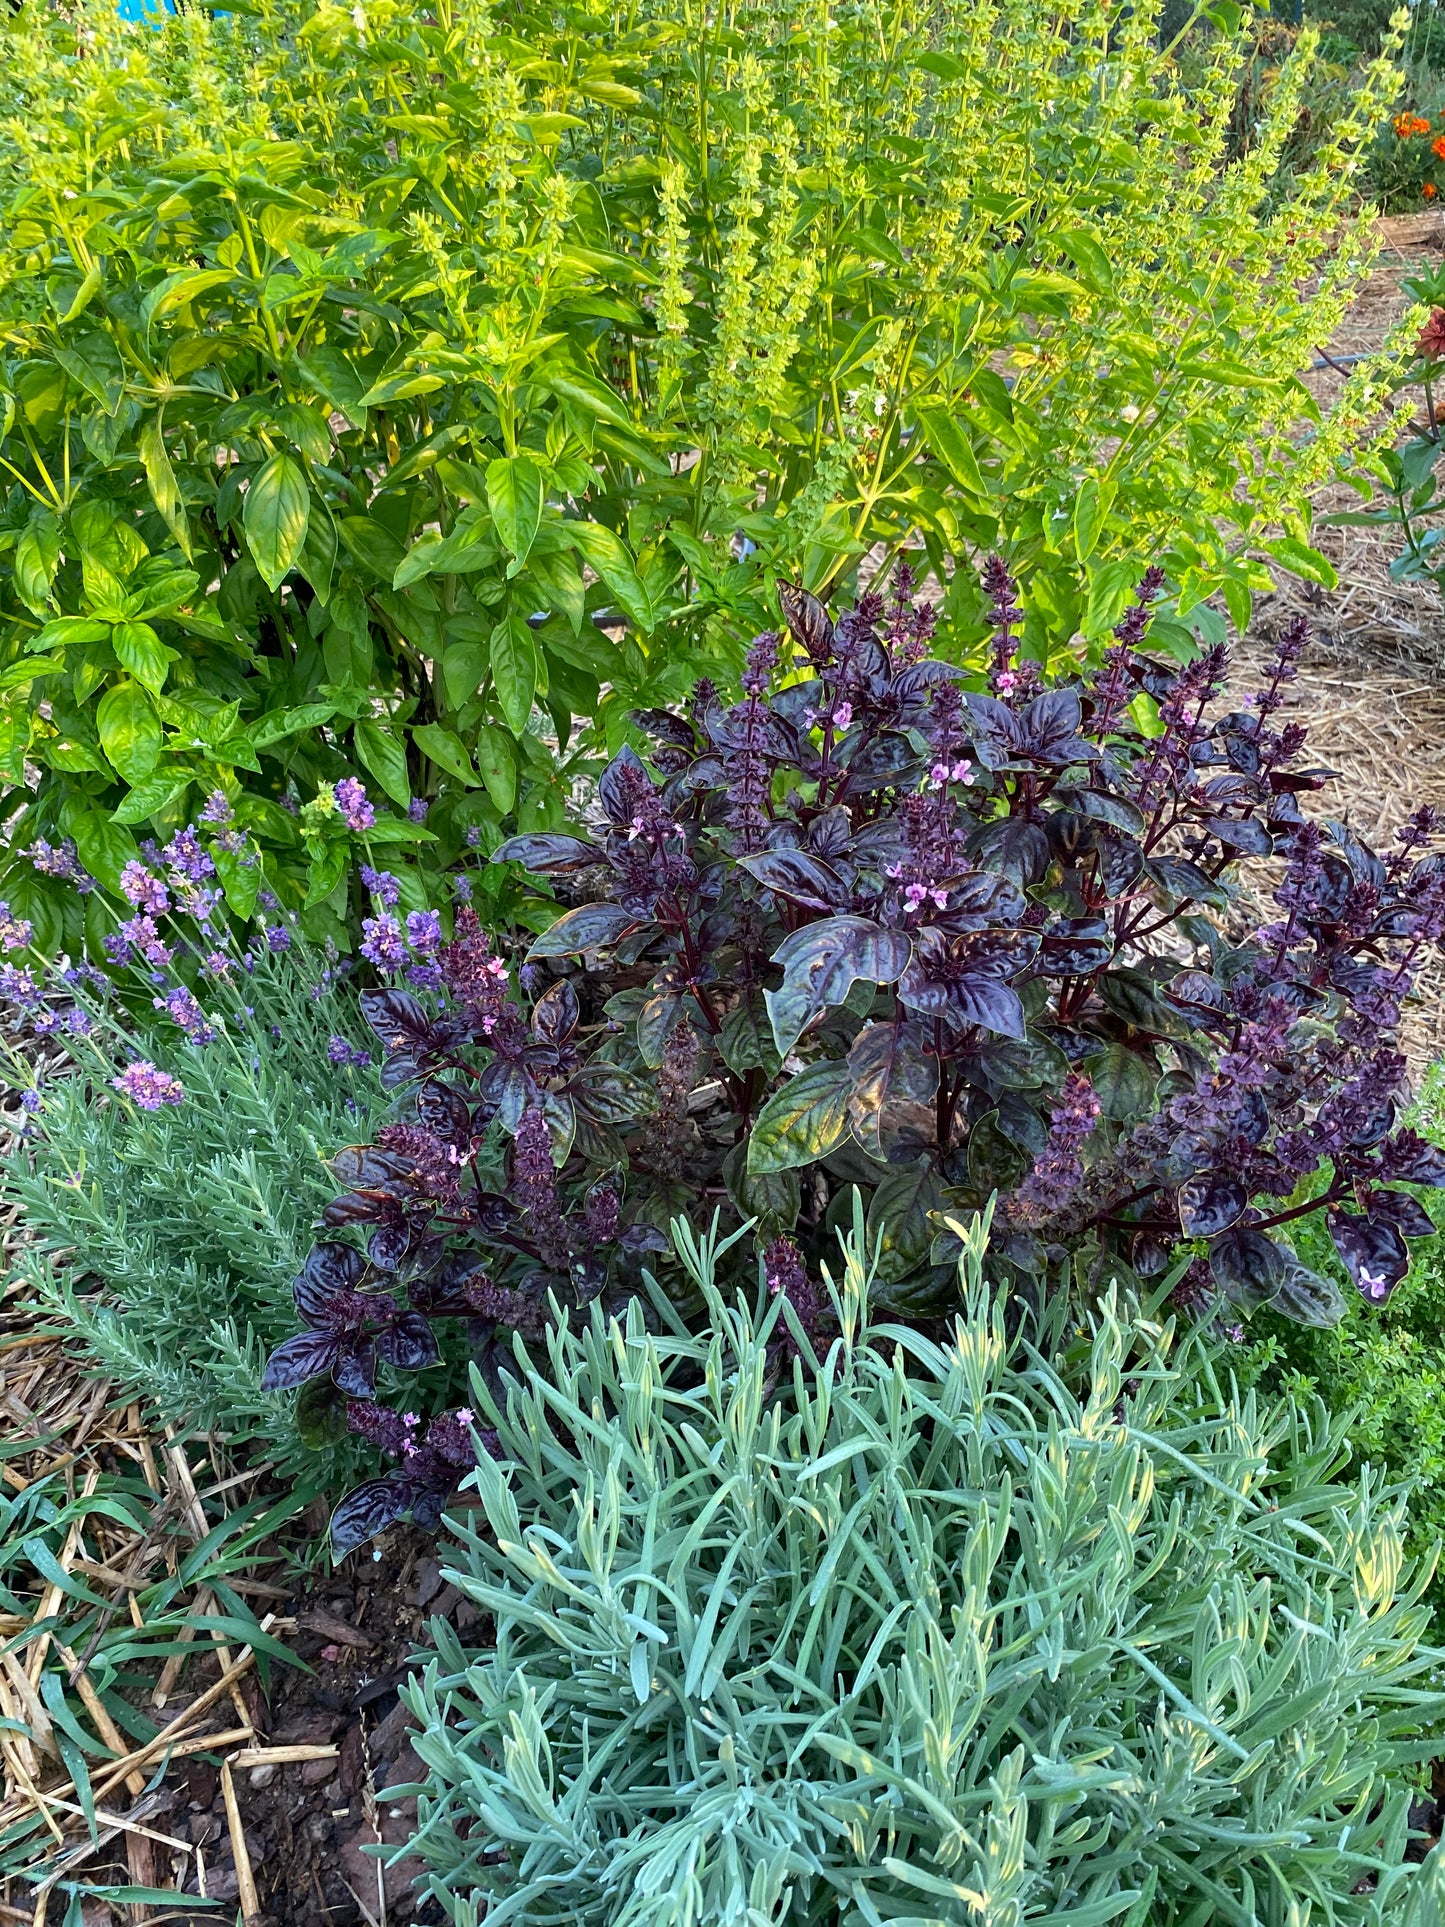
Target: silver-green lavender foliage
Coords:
[[167, 1240], [927, 1633]]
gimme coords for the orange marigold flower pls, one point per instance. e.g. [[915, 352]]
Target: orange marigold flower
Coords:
[[1428, 191], [1437, 147], [1402, 127]]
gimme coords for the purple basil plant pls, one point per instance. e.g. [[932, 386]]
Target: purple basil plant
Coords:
[[950, 942], [942, 935]]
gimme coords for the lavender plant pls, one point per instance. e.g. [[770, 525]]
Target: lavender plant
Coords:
[[178, 1108], [872, 927], [783, 1661]]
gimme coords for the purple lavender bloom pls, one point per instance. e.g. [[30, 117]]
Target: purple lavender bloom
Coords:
[[217, 810], [462, 889], [338, 1050], [423, 931], [217, 964], [183, 1010], [19, 988], [61, 862], [78, 1023], [278, 937], [148, 1087], [185, 858], [15, 932], [142, 934], [382, 885], [351, 801], [425, 976], [417, 808], [146, 892], [474, 837], [30, 1100], [382, 943], [47, 1023]]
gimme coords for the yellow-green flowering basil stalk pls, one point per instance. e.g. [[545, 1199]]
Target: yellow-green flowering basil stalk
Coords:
[[407, 395]]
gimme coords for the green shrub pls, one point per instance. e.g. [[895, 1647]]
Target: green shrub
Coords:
[[167, 1239], [927, 1632], [411, 396]]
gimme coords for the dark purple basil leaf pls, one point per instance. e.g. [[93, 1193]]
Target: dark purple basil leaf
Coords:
[[1149, 1255], [1049, 729], [1134, 998], [610, 1095], [1232, 791], [1196, 991], [822, 962], [705, 773], [1308, 1297], [1365, 866], [1412, 1160], [619, 785], [509, 1086], [1242, 834], [388, 1245], [1372, 1250], [493, 1213], [294, 1360], [329, 1268], [370, 1509], [429, 1501], [442, 1110], [592, 926], [1398, 922], [995, 1162], [1183, 881], [1075, 947], [664, 727], [808, 621], [831, 833], [1248, 1267], [1120, 861], [401, 1067], [964, 1001], [875, 762], [1238, 735], [1370, 1129], [1403, 1211], [398, 1018], [407, 1343], [1013, 846], [358, 1207], [1208, 1206], [354, 1367], [998, 738], [895, 1083], [555, 1014], [1071, 836], [1117, 812], [798, 876], [547, 852], [639, 1239], [364, 1165]]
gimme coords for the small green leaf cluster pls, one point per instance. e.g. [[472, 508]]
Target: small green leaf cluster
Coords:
[[918, 1631], [405, 398]]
